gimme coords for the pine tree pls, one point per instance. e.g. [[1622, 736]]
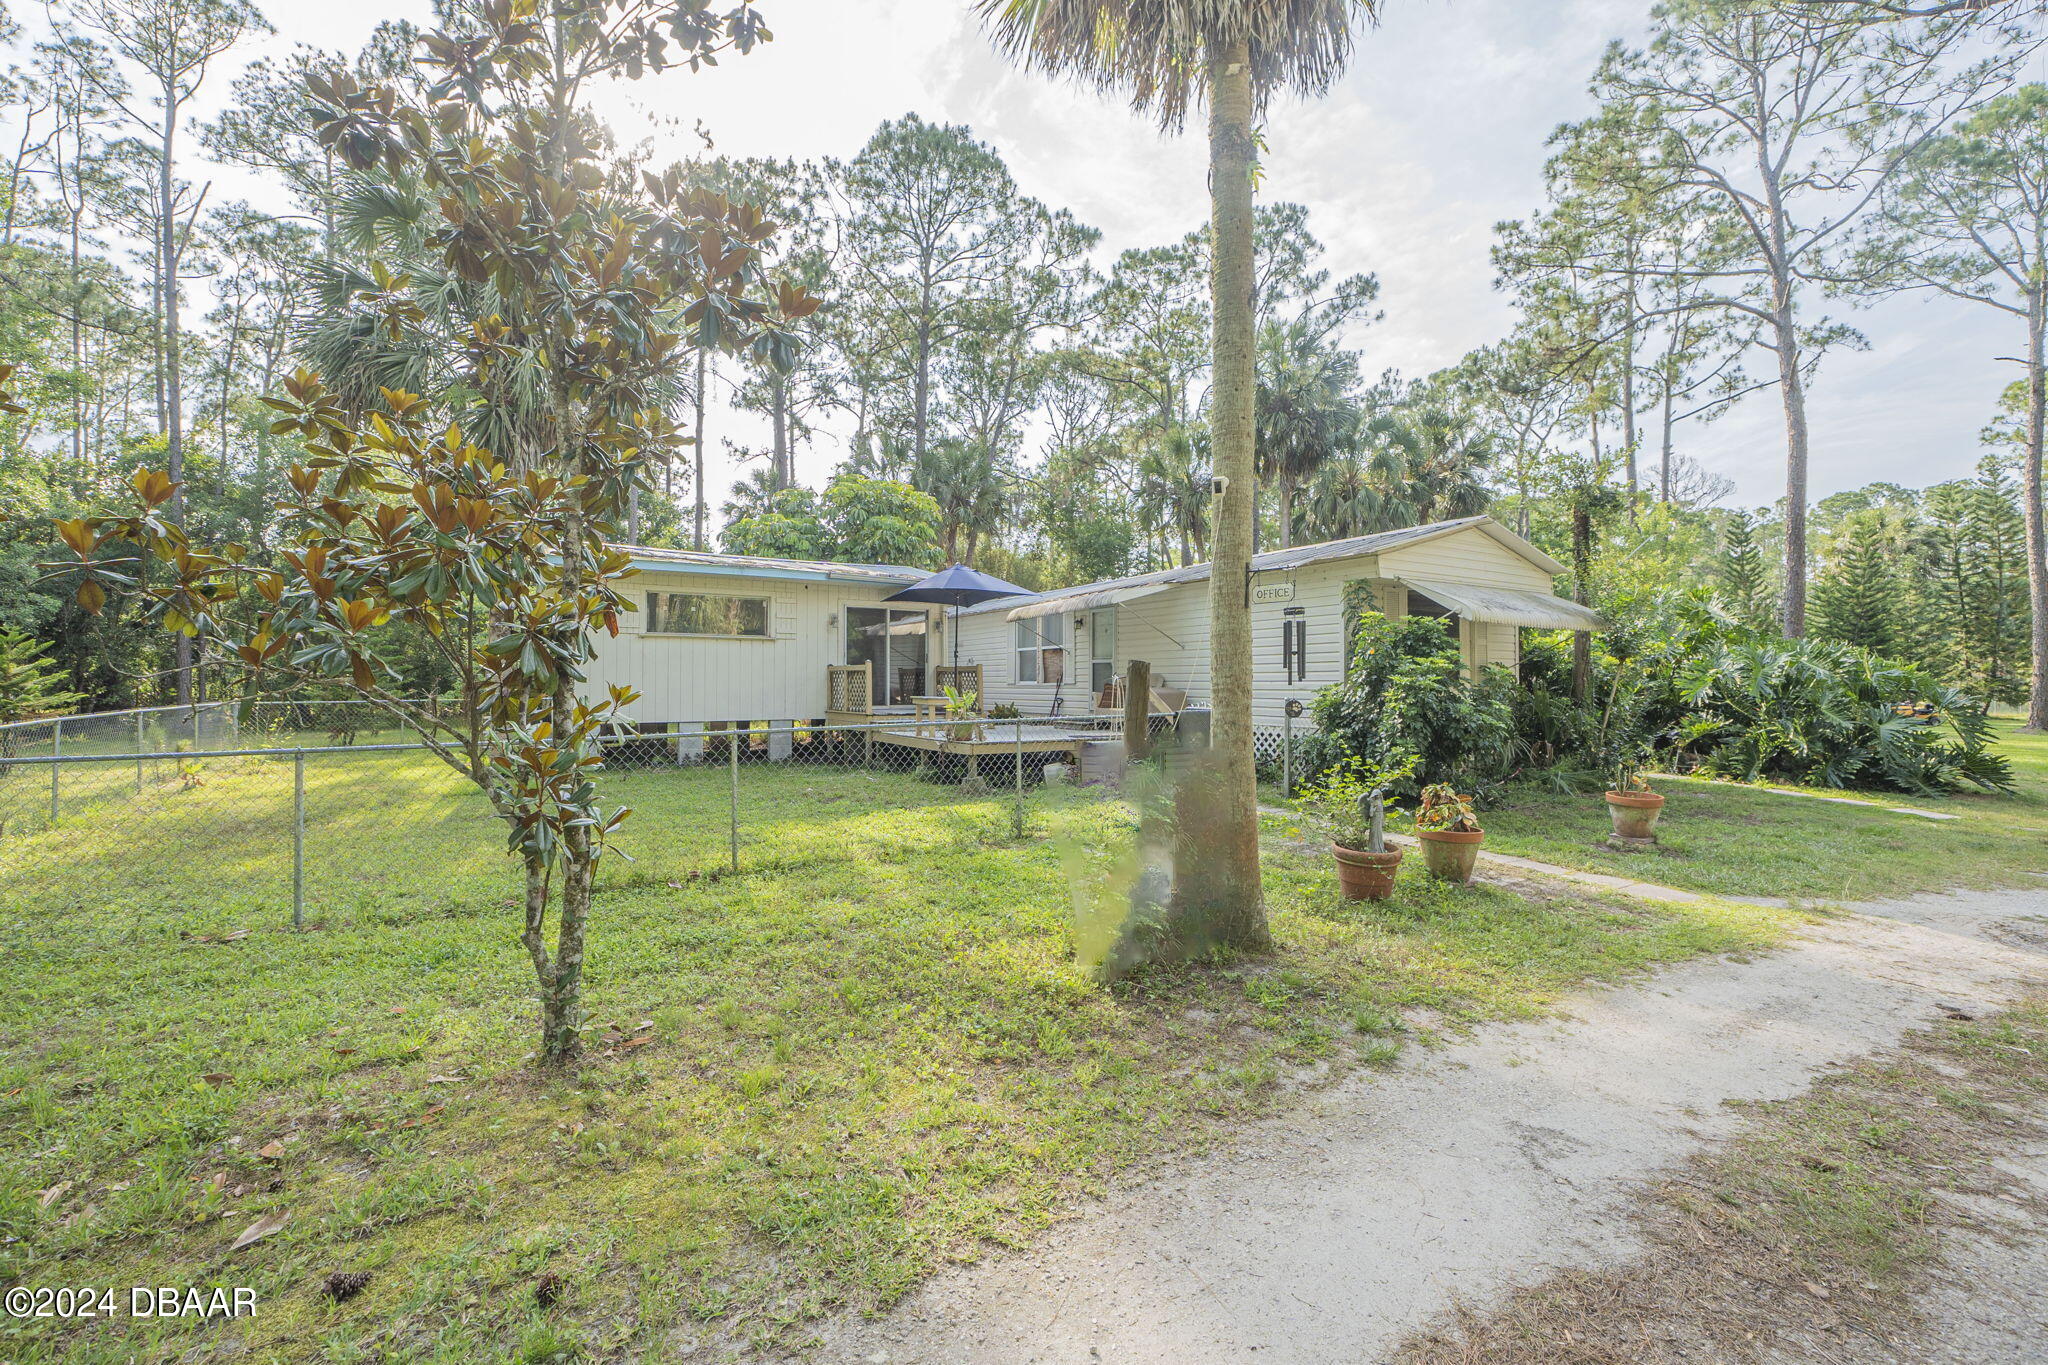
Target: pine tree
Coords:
[[1945, 579], [1973, 585], [29, 683], [1857, 599], [1745, 588], [2000, 637]]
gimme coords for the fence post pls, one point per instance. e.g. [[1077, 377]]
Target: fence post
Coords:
[[1137, 710], [732, 750], [56, 768], [1286, 752], [1017, 726], [299, 839], [139, 742]]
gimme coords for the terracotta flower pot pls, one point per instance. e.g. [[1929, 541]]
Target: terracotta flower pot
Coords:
[[1635, 814], [1364, 876], [1450, 854]]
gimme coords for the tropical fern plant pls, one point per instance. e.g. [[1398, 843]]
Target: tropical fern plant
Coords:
[[1828, 715]]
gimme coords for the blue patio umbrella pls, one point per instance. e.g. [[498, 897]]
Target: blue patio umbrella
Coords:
[[957, 586]]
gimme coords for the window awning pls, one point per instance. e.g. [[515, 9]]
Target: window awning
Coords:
[[1508, 607], [1084, 601]]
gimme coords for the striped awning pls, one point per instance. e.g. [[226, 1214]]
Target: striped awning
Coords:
[[1083, 601], [1508, 607]]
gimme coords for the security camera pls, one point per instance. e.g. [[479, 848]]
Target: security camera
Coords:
[[1220, 484]]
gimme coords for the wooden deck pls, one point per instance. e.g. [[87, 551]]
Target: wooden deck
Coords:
[[998, 737], [874, 715]]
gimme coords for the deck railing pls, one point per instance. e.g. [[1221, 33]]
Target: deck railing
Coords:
[[964, 679], [849, 689]]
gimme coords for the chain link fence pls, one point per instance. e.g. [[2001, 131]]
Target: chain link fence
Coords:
[[204, 727], [308, 831]]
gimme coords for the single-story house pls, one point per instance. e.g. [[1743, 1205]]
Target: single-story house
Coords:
[[724, 639], [1474, 572], [740, 638]]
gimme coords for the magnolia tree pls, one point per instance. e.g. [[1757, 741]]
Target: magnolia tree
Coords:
[[608, 276]]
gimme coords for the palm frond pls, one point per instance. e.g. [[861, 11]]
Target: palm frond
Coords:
[[1155, 51]]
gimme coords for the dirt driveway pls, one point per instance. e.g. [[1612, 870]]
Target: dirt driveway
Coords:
[[1330, 1234]]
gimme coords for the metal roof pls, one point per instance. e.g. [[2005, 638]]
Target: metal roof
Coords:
[[1295, 557], [759, 566], [1539, 610]]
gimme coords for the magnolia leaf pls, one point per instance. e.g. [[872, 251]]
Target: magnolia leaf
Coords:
[[268, 1225]]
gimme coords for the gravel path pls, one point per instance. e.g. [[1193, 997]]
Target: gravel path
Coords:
[[1328, 1234]]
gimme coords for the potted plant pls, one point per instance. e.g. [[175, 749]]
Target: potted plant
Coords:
[[1450, 833], [960, 710], [1633, 806], [1350, 804]]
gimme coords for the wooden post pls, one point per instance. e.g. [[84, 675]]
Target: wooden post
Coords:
[[1137, 710]]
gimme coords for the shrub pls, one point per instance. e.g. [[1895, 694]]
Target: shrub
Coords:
[[1672, 674], [1341, 802], [1405, 695], [1826, 715]]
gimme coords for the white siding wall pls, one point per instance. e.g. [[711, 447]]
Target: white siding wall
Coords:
[[697, 679], [1476, 558], [1170, 630], [1466, 557]]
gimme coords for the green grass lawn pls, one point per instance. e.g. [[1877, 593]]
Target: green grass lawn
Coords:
[[1733, 840], [810, 1084]]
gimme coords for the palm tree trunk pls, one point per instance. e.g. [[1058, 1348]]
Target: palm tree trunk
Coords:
[[1217, 885]]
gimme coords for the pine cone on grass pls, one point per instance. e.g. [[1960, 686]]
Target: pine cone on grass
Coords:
[[344, 1284]]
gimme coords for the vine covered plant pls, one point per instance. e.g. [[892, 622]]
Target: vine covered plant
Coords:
[[608, 275]]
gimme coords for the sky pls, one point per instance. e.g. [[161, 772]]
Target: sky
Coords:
[[1435, 134]]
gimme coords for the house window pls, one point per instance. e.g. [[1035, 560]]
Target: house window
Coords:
[[1102, 635], [698, 613], [1041, 649]]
